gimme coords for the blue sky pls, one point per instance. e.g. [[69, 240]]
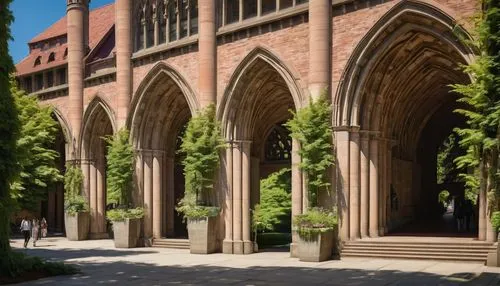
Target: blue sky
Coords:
[[34, 16]]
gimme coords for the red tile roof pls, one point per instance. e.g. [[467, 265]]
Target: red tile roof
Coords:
[[101, 20]]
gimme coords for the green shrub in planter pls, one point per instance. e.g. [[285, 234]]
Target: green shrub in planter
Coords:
[[125, 213], [316, 220], [75, 204], [73, 180]]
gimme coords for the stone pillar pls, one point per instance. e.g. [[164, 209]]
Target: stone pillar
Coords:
[[237, 197], [320, 25], [51, 207], [374, 204], [101, 201], [342, 138], [157, 195], [76, 13], [123, 54], [93, 199], [245, 198], [354, 185], [296, 195], [148, 196], [227, 244], [364, 184], [85, 165], [207, 54], [483, 217]]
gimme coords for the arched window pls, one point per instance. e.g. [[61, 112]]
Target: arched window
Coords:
[[150, 37], [162, 22], [38, 60], [65, 53], [140, 27], [52, 57], [278, 144], [183, 14], [193, 16], [172, 20]]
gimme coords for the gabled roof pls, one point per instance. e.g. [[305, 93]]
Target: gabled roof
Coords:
[[101, 20]]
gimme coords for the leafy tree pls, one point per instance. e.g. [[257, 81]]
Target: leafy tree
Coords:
[[480, 138], [36, 157], [119, 178], [74, 202], [311, 126], [9, 130], [201, 143], [275, 207]]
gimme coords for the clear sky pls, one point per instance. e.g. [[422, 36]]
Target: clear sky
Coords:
[[34, 16]]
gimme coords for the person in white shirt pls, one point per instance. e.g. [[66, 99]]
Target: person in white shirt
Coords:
[[25, 229]]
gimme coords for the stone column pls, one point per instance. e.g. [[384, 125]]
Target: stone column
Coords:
[[101, 201], [364, 184], [123, 40], [237, 197], [342, 138], [93, 199], [320, 24], [354, 185], [296, 195], [85, 165], [245, 199], [148, 196], [157, 194], [227, 244], [207, 54], [51, 206], [483, 217], [374, 204], [76, 12]]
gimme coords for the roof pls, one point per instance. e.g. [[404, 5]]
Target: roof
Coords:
[[101, 20]]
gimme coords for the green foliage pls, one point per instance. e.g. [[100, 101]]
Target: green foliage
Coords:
[[495, 220], [120, 169], [480, 138], [193, 211], [120, 214], [314, 221], [201, 144], [443, 197], [275, 205], [19, 263], [36, 157], [9, 130], [311, 126], [73, 180]]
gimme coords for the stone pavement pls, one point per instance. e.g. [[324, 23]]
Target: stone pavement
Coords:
[[101, 263]]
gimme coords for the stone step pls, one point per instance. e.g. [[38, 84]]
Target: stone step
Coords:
[[171, 243], [417, 249], [423, 253], [481, 259], [416, 246], [422, 243]]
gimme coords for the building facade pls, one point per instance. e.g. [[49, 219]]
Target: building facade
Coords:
[[149, 65]]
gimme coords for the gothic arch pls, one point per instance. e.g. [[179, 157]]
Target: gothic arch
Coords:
[[392, 25], [66, 130], [98, 117], [258, 57]]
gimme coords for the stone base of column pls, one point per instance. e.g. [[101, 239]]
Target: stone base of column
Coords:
[[374, 233], [238, 247], [98, 235], [247, 247], [227, 246], [381, 231], [294, 249]]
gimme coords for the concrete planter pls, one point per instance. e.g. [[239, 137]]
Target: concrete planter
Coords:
[[126, 233], [318, 247], [77, 226], [202, 235]]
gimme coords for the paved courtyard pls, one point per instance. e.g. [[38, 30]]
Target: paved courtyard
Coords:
[[101, 263]]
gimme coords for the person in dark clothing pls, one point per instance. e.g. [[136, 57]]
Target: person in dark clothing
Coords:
[[468, 213], [26, 229], [458, 213]]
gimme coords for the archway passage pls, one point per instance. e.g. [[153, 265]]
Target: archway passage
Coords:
[[163, 106], [398, 93], [97, 125], [260, 101]]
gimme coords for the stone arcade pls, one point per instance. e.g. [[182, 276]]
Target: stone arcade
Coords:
[[149, 65]]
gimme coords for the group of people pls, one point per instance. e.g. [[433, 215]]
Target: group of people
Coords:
[[463, 211], [35, 229]]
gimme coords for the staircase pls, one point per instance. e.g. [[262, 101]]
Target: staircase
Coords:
[[171, 243], [428, 248]]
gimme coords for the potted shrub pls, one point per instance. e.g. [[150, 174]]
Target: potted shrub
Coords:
[[124, 218], [201, 144], [76, 210], [311, 127]]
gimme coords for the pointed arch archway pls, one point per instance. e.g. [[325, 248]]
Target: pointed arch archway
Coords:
[[257, 100], [161, 107], [98, 122], [394, 97]]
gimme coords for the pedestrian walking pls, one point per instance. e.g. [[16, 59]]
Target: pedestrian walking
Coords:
[[44, 226], [35, 229], [25, 229]]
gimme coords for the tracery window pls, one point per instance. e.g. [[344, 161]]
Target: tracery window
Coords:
[[278, 144], [52, 57], [163, 21], [38, 60]]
